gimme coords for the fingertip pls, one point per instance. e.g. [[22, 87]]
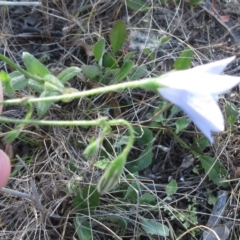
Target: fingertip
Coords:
[[5, 168]]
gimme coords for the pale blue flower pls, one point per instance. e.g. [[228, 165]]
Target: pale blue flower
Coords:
[[196, 91]]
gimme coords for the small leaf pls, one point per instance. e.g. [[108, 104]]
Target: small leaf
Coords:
[[231, 120], [101, 164], [109, 61], [137, 5], [128, 56], [215, 170], [52, 83], [118, 220], [181, 124], [138, 73], [43, 107], [147, 198], [34, 66], [172, 188], [231, 109], [153, 227], [87, 199], [83, 228], [132, 192], [11, 136], [7, 84], [36, 86], [4, 76], [118, 36], [18, 80], [200, 145], [91, 71], [184, 60], [164, 39], [68, 74], [124, 71], [143, 135], [99, 50]]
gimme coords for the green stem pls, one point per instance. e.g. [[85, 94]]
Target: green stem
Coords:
[[147, 83], [84, 123], [18, 68]]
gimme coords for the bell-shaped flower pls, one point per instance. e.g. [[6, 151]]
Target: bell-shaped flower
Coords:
[[196, 91]]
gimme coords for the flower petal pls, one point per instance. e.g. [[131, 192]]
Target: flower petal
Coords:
[[201, 108], [199, 81], [216, 67]]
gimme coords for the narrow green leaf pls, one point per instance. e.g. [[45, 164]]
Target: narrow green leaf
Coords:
[[11, 136], [109, 61], [184, 60], [34, 66], [153, 227], [68, 74], [118, 220], [164, 39], [99, 50], [18, 80], [132, 192], [215, 170], [137, 5], [118, 36], [231, 120], [200, 145], [145, 158], [91, 71], [138, 73], [87, 199], [231, 109], [7, 84], [128, 56], [143, 135], [147, 198], [4, 76], [181, 124], [101, 164], [52, 83], [36, 86], [172, 188], [83, 228], [124, 71], [43, 107]]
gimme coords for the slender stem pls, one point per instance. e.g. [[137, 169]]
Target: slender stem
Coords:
[[147, 83], [7, 3], [84, 123], [18, 68], [16, 193]]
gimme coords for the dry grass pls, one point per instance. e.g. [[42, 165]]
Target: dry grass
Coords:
[[62, 33]]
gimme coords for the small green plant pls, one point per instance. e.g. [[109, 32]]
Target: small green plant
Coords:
[[39, 79], [109, 68]]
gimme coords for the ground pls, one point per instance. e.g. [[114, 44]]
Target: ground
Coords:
[[164, 185]]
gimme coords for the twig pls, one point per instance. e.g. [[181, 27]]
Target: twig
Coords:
[[6, 3], [34, 189], [16, 193]]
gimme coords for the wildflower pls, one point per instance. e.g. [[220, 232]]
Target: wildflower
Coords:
[[196, 91]]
